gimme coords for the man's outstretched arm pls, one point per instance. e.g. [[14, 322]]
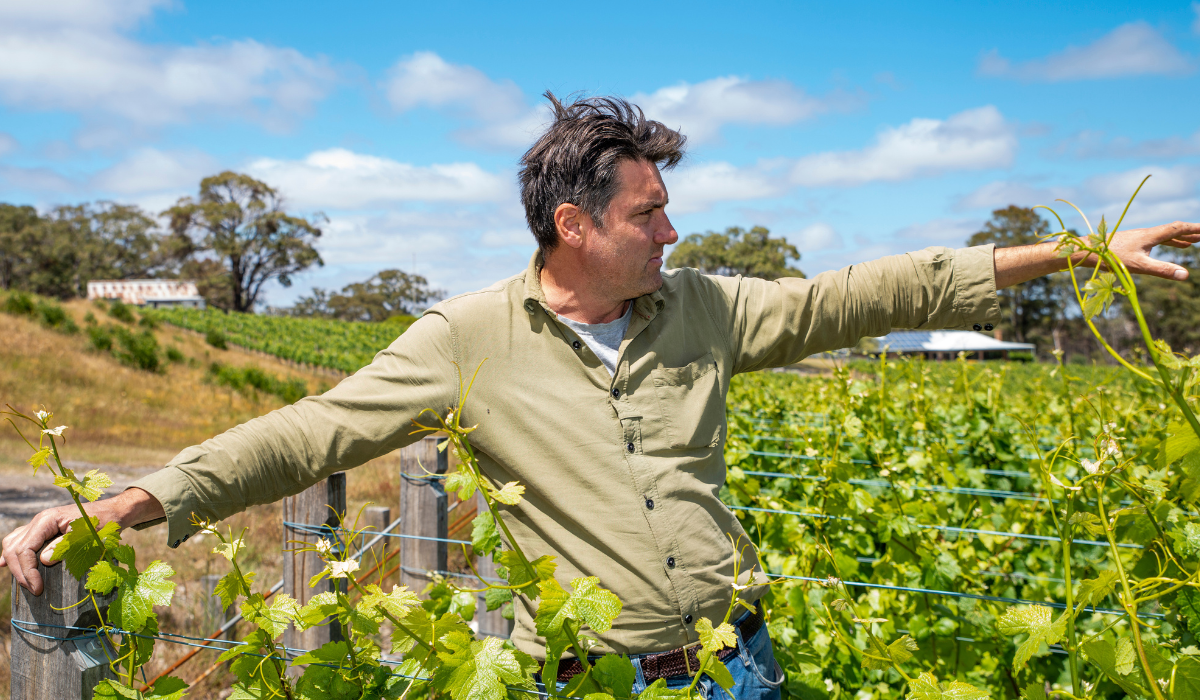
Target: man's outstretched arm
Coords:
[[1023, 263], [20, 550]]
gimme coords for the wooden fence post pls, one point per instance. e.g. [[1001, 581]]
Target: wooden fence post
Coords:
[[422, 512], [311, 508], [50, 668], [491, 624], [374, 520]]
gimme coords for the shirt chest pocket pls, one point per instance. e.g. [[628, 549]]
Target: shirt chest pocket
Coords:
[[691, 404]]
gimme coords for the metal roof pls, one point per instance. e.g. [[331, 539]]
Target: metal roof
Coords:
[[945, 341]]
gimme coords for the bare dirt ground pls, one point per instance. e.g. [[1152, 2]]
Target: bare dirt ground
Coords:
[[23, 495]]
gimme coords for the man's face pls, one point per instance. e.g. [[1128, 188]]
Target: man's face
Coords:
[[627, 253]]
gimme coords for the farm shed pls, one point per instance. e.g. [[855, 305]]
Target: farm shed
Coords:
[[150, 293], [945, 345]]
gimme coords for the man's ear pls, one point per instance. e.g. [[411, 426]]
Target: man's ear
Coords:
[[572, 224]]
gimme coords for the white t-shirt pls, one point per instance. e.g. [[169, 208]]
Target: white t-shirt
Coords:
[[603, 338]]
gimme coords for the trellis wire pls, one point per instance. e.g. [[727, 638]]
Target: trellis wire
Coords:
[[962, 490], [943, 528], [955, 594]]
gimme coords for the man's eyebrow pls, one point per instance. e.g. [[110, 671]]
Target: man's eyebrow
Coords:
[[653, 204]]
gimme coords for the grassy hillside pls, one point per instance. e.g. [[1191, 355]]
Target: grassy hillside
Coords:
[[129, 421]]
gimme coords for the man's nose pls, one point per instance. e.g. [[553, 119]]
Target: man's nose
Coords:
[[666, 234]]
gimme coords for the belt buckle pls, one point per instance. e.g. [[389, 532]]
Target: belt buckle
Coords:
[[687, 659]]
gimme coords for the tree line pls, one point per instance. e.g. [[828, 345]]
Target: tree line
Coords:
[[236, 236], [233, 238]]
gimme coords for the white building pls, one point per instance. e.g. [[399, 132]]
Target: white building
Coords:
[[151, 293], [945, 345]]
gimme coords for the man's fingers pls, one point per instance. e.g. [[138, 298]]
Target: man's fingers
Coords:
[[1159, 268], [47, 555], [33, 579], [1178, 229]]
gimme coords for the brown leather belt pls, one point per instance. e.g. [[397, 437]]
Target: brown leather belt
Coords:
[[677, 662]]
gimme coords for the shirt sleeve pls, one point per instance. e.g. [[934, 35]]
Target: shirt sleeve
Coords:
[[775, 323], [368, 414]]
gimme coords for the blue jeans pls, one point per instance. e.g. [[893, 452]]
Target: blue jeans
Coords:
[[756, 674]]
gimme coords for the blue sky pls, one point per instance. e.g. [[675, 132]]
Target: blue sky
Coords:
[[855, 131]]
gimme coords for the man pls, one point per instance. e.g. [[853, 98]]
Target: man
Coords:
[[603, 391]]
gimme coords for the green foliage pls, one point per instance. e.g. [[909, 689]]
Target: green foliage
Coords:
[[737, 251], [48, 313], [242, 223], [390, 294], [216, 338], [342, 345], [120, 311], [249, 377]]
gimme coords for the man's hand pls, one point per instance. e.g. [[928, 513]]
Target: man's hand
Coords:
[[20, 548], [1023, 263]]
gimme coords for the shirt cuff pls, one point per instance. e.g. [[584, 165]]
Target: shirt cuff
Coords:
[[975, 301], [173, 490]]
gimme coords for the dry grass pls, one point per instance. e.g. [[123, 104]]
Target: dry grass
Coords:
[[135, 421]]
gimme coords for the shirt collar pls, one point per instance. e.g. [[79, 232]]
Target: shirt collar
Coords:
[[647, 306]]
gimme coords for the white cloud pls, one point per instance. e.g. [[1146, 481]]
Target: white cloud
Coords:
[[7, 144], [701, 109], [1165, 184], [696, 187], [151, 170], [1096, 144], [1129, 50], [972, 140], [38, 181], [948, 232], [424, 79], [340, 179], [498, 109], [76, 56], [819, 236], [1000, 194]]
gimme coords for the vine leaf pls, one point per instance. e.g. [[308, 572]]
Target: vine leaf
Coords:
[[615, 674], [167, 688], [712, 666], [479, 670], [716, 638], [140, 592], [518, 573], [1124, 656], [230, 587], [485, 538], [461, 481], [79, 550], [510, 494], [1187, 540], [39, 459], [1094, 590], [587, 603], [658, 690], [495, 597], [926, 687], [1098, 294], [1034, 691], [103, 577], [1187, 678], [90, 487], [398, 602], [1035, 621], [1103, 656], [1089, 521], [272, 619]]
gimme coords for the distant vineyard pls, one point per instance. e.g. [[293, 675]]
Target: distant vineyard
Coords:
[[341, 345]]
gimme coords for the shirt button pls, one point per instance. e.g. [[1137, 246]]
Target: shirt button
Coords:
[[988, 326], [616, 393], [629, 446], [575, 344], [977, 327], [649, 504], [687, 619], [670, 562]]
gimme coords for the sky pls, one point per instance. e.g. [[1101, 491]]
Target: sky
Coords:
[[854, 130]]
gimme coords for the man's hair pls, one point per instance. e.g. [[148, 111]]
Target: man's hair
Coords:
[[576, 160]]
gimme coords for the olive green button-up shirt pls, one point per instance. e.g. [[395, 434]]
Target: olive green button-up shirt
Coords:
[[621, 472]]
